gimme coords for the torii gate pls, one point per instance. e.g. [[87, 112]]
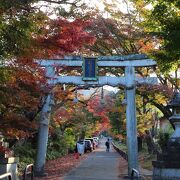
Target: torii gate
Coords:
[[129, 81]]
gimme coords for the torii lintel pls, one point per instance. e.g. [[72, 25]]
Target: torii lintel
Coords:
[[137, 60]]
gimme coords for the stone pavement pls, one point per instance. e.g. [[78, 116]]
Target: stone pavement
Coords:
[[100, 165]]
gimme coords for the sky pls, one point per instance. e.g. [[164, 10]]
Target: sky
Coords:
[[99, 4], [89, 92], [120, 4], [91, 3]]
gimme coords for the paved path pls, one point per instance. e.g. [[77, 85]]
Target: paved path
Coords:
[[100, 165]]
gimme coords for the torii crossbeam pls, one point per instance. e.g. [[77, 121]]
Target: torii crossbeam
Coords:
[[129, 81]]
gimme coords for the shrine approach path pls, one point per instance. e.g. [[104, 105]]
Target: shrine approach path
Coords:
[[100, 165]]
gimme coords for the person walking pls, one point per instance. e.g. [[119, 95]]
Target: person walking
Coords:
[[76, 153], [107, 145]]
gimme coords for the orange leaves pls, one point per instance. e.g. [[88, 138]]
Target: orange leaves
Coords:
[[145, 46], [117, 109], [63, 115], [21, 97], [21, 94], [15, 133], [98, 109], [16, 129], [60, 94], [61, 166], [64, 110]]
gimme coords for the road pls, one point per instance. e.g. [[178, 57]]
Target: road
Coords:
[[100, 165]]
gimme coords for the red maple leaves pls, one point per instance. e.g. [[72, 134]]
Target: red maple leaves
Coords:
[[65, 36], [25, 83], [100, 107]]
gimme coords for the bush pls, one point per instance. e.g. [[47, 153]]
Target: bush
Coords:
[[23, 162], [56, 147], [26, 155], [163, 138], [25, 150], [60, 145]]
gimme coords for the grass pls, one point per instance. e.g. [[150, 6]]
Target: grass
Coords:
[[121, 146], [145, 159]]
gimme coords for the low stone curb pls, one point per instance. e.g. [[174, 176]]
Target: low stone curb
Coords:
[[122, 153]]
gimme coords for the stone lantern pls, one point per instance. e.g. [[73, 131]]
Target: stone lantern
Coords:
[[8, 163], [174, 141], [167, 165]]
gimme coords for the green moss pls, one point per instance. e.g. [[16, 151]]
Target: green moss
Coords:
[[121, 146]]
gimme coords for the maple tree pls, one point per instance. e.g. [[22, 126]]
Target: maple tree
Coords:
[[100, 106], [63, 109], [117, 115], [137, 30], [130, 32], [63, 36], [22, 22], [21, 99], [28, 33], [119, 32], [68, 114]]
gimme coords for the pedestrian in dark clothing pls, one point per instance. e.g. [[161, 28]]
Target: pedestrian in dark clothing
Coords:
[[76, 154], [107, 145]]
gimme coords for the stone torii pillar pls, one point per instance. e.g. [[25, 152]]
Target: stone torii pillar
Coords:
[[131, 122], [129, 81], [43, 129]]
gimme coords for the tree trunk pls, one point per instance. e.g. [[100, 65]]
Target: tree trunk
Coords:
[[150, 143], [139, 143]]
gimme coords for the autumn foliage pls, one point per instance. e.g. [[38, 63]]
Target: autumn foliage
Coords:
[[27, 33], [23, 84], [100, 107], [63, 37]]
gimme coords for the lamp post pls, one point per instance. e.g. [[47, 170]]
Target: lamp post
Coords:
[[102, 97], [167, 165]]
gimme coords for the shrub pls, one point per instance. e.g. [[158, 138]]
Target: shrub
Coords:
[[26, 155], [163, 138], [60, 145]]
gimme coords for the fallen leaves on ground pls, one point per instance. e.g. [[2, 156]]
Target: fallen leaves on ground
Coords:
[[57, 168], [123, 166]]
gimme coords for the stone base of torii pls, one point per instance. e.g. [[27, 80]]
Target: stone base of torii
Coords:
[[129, 81]]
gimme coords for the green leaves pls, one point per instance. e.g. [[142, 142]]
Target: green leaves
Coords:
[[165, 15], [16, 27]]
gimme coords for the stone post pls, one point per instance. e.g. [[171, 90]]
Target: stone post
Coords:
[[8, 163]]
